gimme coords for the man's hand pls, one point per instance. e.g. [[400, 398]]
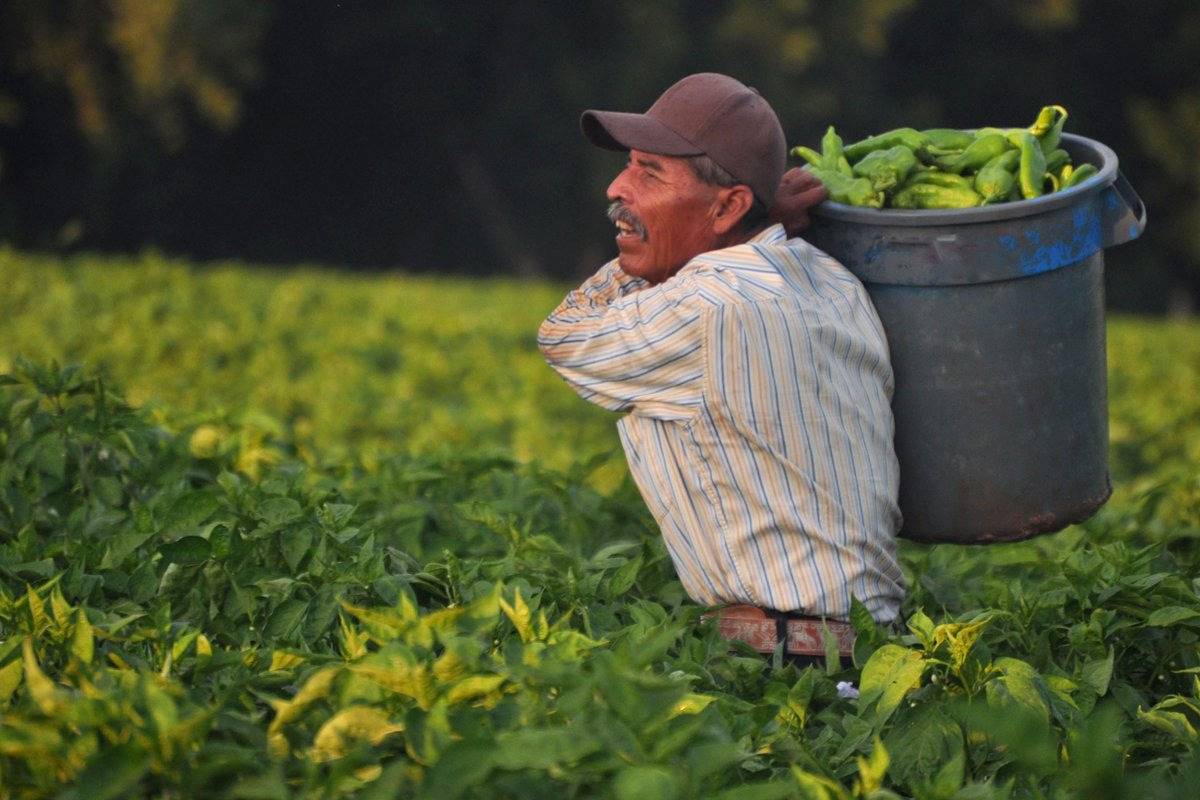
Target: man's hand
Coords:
[[798, 192]]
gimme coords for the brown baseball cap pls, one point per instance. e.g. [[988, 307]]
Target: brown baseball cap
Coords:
[[706, 113]]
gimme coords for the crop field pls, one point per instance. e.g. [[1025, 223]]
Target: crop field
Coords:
[[301, 534]]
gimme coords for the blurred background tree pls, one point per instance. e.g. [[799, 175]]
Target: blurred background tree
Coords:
[[443, 136]]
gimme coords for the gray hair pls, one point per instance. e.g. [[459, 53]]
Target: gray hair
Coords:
[[713, 174]]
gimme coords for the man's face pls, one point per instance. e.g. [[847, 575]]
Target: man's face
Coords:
[[664, 215]]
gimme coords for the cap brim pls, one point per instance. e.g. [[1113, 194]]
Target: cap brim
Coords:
[[617, 130]]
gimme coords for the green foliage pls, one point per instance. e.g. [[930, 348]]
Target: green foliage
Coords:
[[334, 618], [316, 366]]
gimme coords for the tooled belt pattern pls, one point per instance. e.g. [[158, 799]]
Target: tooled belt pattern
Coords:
[[805, 636]]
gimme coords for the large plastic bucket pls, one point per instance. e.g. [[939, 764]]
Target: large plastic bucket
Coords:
[[995, 321]]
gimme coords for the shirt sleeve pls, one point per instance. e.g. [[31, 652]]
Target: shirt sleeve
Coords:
[[627, 345]]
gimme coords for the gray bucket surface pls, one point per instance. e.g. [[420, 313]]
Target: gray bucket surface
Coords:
[[995, 321]]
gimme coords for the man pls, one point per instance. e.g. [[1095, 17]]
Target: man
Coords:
[[753, 367]]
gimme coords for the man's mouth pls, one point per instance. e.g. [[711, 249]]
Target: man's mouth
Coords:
[[628, 225]]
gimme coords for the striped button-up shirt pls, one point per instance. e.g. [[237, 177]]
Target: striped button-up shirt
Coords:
[[759, 430]]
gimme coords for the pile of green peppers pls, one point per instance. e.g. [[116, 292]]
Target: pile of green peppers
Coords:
[[947, 168]]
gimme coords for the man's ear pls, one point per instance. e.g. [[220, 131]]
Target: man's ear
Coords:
[[732, 204]]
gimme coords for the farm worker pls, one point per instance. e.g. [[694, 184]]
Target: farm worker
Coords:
[[753, 368]]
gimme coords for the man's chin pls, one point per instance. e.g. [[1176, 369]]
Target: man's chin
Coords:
[[629, 266]]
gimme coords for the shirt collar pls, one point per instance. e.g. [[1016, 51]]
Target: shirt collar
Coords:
[[769, 235]]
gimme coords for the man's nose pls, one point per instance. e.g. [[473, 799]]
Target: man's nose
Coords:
[[617, 190]]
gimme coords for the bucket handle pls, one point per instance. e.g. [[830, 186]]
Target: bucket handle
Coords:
[[1128, 222]]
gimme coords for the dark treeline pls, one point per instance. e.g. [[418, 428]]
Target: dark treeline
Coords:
[[443, 136]]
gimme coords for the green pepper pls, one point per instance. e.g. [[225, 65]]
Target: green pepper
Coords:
[[943, 143], [808, 154], [926, 195], [1056, 160], [909, 137], [1032, 169], [886, 168], [981, 151], [1048, 126], [1079, 175], [832, 154], [982, 132], [933, 156], [948, 138], [1045, 119], [844, 189], [995, 180], [935, 177]]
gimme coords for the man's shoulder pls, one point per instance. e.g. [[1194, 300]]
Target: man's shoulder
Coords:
[[769, 259]]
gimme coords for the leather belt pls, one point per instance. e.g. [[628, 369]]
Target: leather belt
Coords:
[[763, 628]]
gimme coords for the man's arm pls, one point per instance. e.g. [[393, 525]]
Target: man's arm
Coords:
[[641, 350]]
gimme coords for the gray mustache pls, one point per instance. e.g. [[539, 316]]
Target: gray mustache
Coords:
[[619, 212]]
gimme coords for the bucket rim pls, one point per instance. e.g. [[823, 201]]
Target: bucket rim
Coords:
[[1106, 175]]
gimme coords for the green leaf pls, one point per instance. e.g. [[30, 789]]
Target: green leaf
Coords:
[[10, 679], [949, 777], [143, 583], [646, 783], [922, 626], [543, 748], [860, 618], [871, 770], [623, 579], [108, 490], [832, 652], [267, 785], [220, 539], [1170, 615], [461, 768], [42, 568], [186, 550], [82, 640], [890, 674], [278, 511], [51, 457], [1017, 683], [111, 773], [1097, 674], [767, 790], [604, 554], [286, 619], [1174, 723], [121, 545], [295, 545], [922, 741], [38, 619], [704, 760], [59, 607], [189, 510], [520, 615]]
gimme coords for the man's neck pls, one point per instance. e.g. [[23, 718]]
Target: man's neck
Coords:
[[731, 239]]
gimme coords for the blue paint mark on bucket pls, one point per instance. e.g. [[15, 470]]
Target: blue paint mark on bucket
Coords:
[[1134, 230], [1032, 235], [1080, 217], [1085, 241], [874, 252], [1008, 242]]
